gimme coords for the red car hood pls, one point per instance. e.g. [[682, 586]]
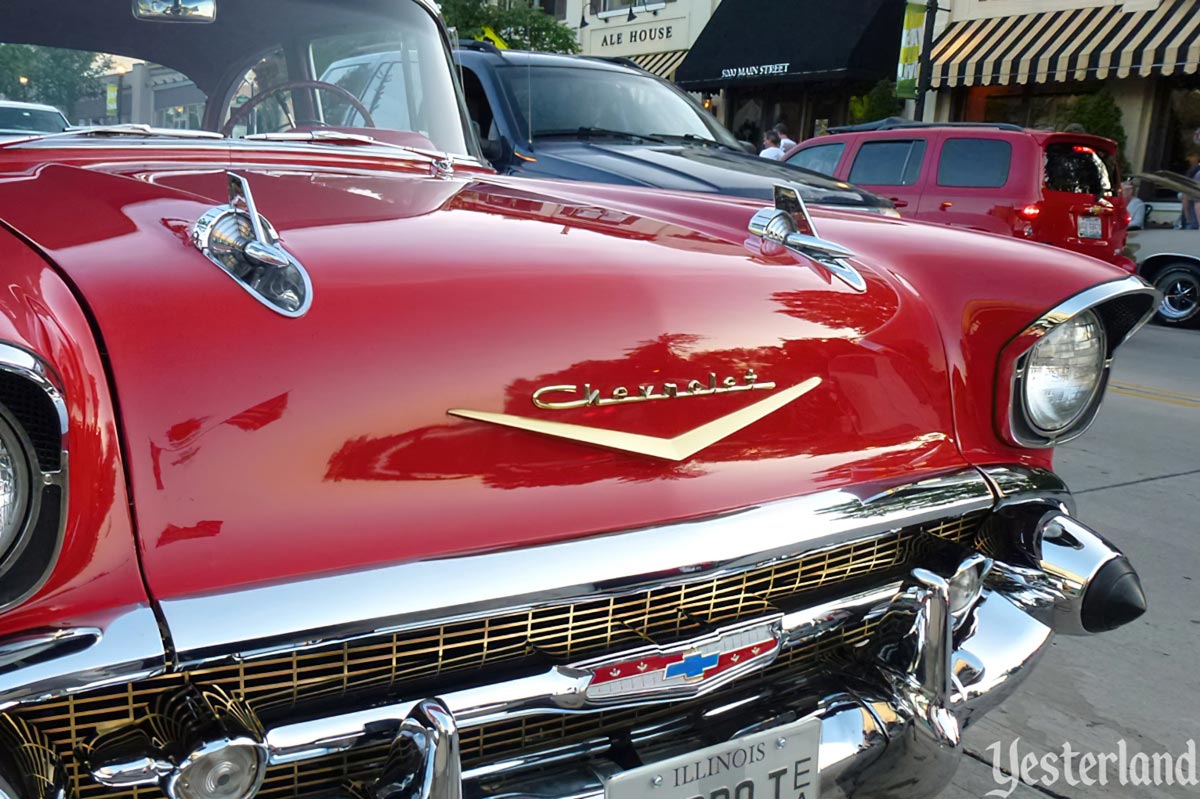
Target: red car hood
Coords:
[[261, 447]]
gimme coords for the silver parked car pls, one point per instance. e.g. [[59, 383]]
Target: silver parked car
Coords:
[[1170, 259], [19, 119]]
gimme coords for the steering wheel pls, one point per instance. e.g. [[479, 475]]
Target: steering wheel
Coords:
[[245, 108]]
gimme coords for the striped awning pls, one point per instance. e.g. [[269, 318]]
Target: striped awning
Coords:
[[1077, 44], [661, 64]]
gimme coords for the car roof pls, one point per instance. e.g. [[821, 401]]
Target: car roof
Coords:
[[31, 106], [530, 58], [964, 130]]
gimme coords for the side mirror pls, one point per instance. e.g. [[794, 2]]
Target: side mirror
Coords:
[[748, 147], [175, 10], [493, 150]]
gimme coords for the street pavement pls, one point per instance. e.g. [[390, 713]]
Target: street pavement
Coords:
[[1136, 476]]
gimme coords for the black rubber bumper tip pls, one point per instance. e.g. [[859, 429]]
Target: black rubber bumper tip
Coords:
[[1115, 597]]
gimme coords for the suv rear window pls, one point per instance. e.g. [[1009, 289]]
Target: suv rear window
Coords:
[[888, 163], [975, 163], [1078, 169]]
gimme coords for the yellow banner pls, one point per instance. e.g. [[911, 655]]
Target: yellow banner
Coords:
[[910, 51], [110, 96], [490, 35]]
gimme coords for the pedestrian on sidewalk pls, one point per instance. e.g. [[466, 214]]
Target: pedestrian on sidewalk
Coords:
[[785, 141], [1190, 219], [771, 148]]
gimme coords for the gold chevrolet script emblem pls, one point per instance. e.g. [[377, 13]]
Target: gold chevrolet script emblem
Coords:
[[676, 448]]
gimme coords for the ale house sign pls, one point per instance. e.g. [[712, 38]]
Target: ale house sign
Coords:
[[655, 35]]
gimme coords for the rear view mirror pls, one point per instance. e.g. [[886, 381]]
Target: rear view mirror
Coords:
[[175, 10], [748, 147]]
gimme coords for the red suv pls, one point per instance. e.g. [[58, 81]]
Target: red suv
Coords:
[[1056, 188]]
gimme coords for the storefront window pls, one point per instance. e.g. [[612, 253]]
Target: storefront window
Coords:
[[1046, 110], [187, 117], [1183, 127]]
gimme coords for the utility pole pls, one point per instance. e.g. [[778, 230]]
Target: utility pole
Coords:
[[925, 69]]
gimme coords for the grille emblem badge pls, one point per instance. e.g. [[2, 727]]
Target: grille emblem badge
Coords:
[[686, 669]]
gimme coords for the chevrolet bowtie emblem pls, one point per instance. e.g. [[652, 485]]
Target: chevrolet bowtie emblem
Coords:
[[677, 448]]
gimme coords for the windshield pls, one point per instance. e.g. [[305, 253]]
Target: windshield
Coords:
[[256, 67], [18, 119], [562, 100]]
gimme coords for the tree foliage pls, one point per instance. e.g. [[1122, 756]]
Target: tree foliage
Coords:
[[879, 103], [56, 77], [1099, 115], [520, 23]]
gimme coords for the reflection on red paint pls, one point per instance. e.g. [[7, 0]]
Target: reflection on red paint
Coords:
[[260, 415], [184, 431], [174, 533]]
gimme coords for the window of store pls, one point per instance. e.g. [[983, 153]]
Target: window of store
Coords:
[[1183, 127], [187, 117], [1030, 107]]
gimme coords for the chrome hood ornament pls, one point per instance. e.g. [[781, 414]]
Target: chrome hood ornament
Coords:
[[789, 224], [239, 240]]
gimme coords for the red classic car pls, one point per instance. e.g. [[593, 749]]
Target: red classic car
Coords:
[[332, 463]]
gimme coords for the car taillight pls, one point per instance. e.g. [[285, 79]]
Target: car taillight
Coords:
[[1030, 212], [1128, 218]]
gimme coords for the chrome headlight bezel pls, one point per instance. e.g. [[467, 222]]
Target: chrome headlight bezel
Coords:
[[33, 422], [1121, 307], [16, 455]]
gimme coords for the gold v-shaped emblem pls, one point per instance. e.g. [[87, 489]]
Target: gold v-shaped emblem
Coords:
[[678, 448]]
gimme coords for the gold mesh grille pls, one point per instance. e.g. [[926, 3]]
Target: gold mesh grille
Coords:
[[557, 634]]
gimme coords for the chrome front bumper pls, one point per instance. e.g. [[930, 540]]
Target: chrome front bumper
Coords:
[[928, 657], [895, 733], [891, 725]]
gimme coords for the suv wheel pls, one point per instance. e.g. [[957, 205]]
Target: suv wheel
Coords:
[[1180, 286]]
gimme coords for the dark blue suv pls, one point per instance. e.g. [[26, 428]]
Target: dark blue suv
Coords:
[[583, 118]]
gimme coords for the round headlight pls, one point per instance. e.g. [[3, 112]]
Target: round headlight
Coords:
[[14, 486], [1063, 371]]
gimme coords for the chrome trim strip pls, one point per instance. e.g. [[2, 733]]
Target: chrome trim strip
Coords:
[[540, 758], [1012, 483], [338, 607], [43, 643], [128, 647]]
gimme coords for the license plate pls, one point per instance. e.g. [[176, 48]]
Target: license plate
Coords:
[[1090, 228], [780, 763]]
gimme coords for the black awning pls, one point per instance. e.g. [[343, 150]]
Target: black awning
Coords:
[[774, 41]]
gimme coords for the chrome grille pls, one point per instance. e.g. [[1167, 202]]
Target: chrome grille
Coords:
[[560, 634]]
